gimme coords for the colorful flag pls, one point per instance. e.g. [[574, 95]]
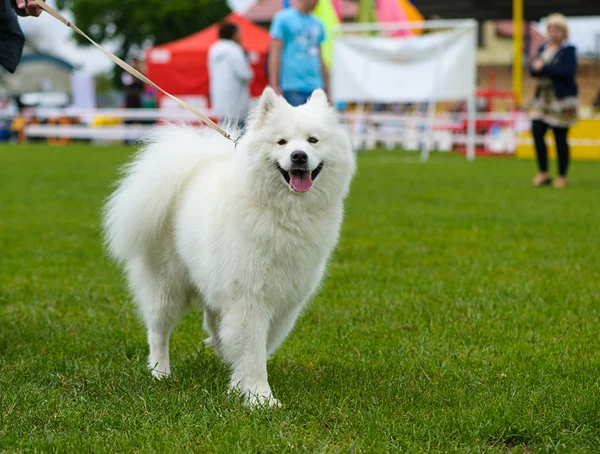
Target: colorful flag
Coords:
[[390, 11], [413, 14], [337, 4], [366, 11], [326, 12], [411, 10]]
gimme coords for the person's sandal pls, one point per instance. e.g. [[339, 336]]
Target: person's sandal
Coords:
[[560, 183], [546, 182]]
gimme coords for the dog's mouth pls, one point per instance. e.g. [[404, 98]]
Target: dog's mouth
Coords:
[[300, 180]]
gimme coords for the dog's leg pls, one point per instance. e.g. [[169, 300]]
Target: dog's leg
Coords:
[[280, 328], [211, 326], [160, 321], [161, 300], [243, 337]]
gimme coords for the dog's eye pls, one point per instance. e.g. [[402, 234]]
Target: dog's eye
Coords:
[[282, 142], [312, 140]]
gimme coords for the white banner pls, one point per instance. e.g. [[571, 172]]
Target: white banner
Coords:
[[437, 66]]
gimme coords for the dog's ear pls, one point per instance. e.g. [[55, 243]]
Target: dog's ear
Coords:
[[319, 96], [266, 105]]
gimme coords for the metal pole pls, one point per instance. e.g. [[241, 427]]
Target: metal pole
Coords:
[[517, 75]]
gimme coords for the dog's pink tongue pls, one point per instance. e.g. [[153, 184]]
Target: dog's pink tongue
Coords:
[[301, 182]]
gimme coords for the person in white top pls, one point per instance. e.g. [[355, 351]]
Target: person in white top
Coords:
[[230, 75]]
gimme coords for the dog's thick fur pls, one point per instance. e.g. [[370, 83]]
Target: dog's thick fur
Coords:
[[196, 218]]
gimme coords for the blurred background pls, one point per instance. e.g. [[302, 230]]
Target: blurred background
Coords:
[[65, 90]]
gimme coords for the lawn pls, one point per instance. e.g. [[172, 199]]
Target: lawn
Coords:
[[461, 313]]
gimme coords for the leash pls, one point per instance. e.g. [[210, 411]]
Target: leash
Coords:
[[133, 71]]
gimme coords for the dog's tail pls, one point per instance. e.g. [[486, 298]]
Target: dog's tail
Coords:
[[137, 213]]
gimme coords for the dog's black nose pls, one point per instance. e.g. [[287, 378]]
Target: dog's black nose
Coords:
[[299, 157]]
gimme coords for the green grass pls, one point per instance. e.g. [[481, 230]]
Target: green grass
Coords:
[[461, 313]]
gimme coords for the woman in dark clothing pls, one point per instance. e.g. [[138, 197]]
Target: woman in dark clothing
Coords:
[[555, 103]]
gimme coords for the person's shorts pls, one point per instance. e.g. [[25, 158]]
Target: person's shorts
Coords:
[[296, 98]]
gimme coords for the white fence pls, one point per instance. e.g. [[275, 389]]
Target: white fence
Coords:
[[497, 133], [367, 129]]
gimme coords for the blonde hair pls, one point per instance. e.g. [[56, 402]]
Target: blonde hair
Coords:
[[560, 21]]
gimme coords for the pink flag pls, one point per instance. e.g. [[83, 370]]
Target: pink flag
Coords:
[[337, 5], [390, 11]]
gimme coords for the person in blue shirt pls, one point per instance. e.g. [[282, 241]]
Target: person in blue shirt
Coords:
[[296, 66]]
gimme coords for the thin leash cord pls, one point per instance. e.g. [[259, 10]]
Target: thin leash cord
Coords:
[[133, 71]]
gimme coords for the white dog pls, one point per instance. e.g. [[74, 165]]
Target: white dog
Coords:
[[247, 230]]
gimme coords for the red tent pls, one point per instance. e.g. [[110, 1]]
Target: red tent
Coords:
[[180, 67]]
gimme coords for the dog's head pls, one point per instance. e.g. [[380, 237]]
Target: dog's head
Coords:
[[302, 151]]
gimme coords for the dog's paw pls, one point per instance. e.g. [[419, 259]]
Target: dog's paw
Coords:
[[159, 372], [256, 401], [159, 375]]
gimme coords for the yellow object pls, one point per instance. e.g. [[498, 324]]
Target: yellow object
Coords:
[[584, 142], [100, 120], [517, 75], [326, 12], [18, 123]]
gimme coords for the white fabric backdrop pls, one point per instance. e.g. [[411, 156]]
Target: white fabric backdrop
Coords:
[[438, 66]]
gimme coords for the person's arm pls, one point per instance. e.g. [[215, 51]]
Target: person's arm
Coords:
[[325, 73], [536, 64], [275, 64], [565, 69], [11, 39], [279, 35], [324, 70], [535, 68], [241, 67]]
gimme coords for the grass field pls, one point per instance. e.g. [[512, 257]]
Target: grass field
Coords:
[[461, 313]]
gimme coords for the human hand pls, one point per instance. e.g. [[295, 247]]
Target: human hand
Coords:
[[26, 8], [537, 64]]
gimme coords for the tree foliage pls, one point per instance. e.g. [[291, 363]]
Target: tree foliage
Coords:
[[134, 23]]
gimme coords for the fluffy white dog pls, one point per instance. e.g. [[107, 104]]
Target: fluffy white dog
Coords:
[[247, 230]]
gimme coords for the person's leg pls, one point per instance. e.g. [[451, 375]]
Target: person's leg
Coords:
[[562, 150], [538, 129], [296, 98]]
